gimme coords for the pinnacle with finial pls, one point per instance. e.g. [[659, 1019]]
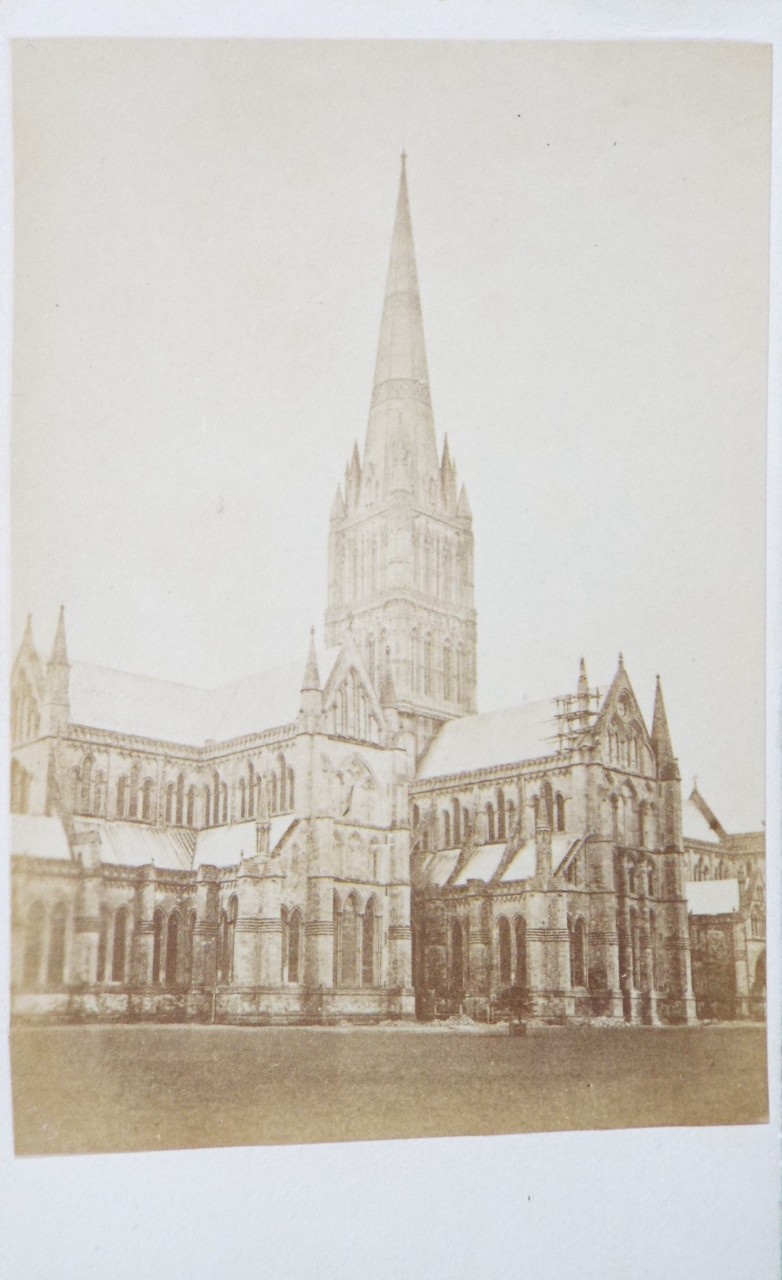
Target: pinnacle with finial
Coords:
[[311, 681], [59, 648]]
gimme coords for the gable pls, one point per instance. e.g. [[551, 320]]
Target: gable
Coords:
[[623, 738], [350, 704], [27, 695]]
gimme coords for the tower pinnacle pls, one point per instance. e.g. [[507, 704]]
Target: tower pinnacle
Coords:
[[59, 648], [661, 737], [311, 681]]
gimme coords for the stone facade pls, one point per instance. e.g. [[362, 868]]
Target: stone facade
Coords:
[[366, 846]]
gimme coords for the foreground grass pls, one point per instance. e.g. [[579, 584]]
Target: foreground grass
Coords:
[[142, 1088]]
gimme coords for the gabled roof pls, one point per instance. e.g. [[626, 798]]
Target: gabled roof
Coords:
[[38, 836], [224, 846], [712, 897], [494, 738], [124, 702], [695, 826], [135, 844]]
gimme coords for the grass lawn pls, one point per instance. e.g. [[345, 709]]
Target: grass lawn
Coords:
[[142, 1088]]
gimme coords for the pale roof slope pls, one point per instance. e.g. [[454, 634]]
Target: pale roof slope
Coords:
[[695, 826], [149, 708], [135, 844], [712, 897], [507, 736], [39, 836]]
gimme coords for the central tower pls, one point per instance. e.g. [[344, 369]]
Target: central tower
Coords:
[[401, 543]]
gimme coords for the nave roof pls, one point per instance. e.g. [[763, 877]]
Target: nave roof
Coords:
[[493, 738], [124, 702]]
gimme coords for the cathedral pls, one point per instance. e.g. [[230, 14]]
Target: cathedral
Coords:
[[347, 838]]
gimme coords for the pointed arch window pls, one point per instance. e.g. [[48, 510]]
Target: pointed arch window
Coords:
[[371, 658], [20, 788], [521, 952], [284, 921], [491, 828], [447, 572], [58, 925], [635, 949], [226, 941], [170, 804], [369, 940], [242, 799], [172, 949], [350, 943], [559, 811], [191, 803], [207, 806], [337, 940], [133, 790], [457, 822], [504, 949], [35, 932], [86, 784], [158, 946], [283, 782], [99, 790], [295, 933], [653, 947], [192, 920], [447, 829], [120, 946], [511, 816], [501, 823], [457, 955], [122, 796], [147, 806], [415, 660], [103, 944], [577, 933]]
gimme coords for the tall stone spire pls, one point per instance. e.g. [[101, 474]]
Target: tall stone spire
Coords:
[[401, 448], [401, 542]]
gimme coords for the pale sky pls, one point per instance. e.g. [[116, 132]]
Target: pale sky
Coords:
[[202, 234]]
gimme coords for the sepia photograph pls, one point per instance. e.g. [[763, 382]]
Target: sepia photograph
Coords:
[[388, 517]]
